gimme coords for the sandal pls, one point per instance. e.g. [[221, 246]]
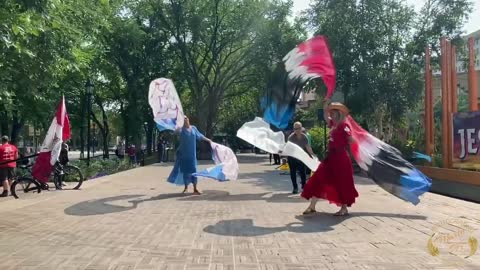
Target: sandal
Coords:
[[341, 213], [309, 211]]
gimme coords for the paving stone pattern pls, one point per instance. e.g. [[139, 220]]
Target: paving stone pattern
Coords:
[[136, 220]]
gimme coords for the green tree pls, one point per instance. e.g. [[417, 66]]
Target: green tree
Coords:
[[213, 40], [376, 45], [44, 51]]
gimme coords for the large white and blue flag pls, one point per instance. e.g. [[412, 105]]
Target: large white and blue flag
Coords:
[[165, 103], [226, 164]]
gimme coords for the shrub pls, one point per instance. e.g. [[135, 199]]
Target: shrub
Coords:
[[102, 167], [406, 148], [318, 139], [437, 160]]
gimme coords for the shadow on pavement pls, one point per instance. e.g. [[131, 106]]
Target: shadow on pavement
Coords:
[[129, 202], [224, 196], [275, 181], [100, 206], [161, 197], [319, 222]]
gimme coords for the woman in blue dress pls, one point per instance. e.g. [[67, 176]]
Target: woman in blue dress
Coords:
[[186, 160]]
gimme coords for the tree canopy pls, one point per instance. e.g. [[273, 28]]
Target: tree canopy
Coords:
[[219, 53]]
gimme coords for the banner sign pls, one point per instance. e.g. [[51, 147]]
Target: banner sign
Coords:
[[466, 140]]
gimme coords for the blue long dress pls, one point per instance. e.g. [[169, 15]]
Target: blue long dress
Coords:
[[186, 160]]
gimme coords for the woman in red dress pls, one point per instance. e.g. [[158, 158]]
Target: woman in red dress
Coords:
[[333, 179]]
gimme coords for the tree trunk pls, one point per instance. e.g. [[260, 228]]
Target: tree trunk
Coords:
[[379, 118], [106, 152], [149, 134], [105, 130], [4, 122], [17, 125], [123, 112], [134, 119], [207, 126]]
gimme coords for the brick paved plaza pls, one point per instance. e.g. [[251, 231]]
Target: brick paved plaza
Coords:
[[135, 220]]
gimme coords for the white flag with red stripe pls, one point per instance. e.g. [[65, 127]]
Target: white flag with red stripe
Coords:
[[58, 132]]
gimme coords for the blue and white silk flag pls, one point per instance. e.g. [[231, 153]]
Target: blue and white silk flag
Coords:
[[226, 164], [386, 166], [418, 155], [165, 103]]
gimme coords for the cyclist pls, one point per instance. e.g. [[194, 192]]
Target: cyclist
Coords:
[[62, 161], [63, 158]]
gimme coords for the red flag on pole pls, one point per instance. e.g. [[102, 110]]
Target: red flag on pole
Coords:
[[58, 132]]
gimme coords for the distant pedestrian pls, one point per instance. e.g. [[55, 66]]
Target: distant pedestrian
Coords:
[[8, 152], [132, 153], [276, 159], [120, 151], [160, 148]]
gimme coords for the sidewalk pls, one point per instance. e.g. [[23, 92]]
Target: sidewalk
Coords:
[[135, 220]]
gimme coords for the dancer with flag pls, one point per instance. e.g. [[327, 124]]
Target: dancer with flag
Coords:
[[168, 115], [58, 132], [333, 179], [385, 164], [186, 160]]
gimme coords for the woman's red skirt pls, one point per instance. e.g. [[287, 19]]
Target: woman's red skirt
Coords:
[[333, 180]]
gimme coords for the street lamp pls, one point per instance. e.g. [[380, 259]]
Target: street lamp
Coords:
[[94, 141], [89, 91]]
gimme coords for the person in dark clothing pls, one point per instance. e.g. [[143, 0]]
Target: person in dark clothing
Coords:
[[295, 165], [160, 147], [276, 159], [132, 153], [63, 158]]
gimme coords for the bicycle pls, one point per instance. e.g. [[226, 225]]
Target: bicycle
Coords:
[[64, 177], [67, 177], [24, 183]]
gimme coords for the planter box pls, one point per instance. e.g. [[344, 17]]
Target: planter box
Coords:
[[453, 175], [454, 183]]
